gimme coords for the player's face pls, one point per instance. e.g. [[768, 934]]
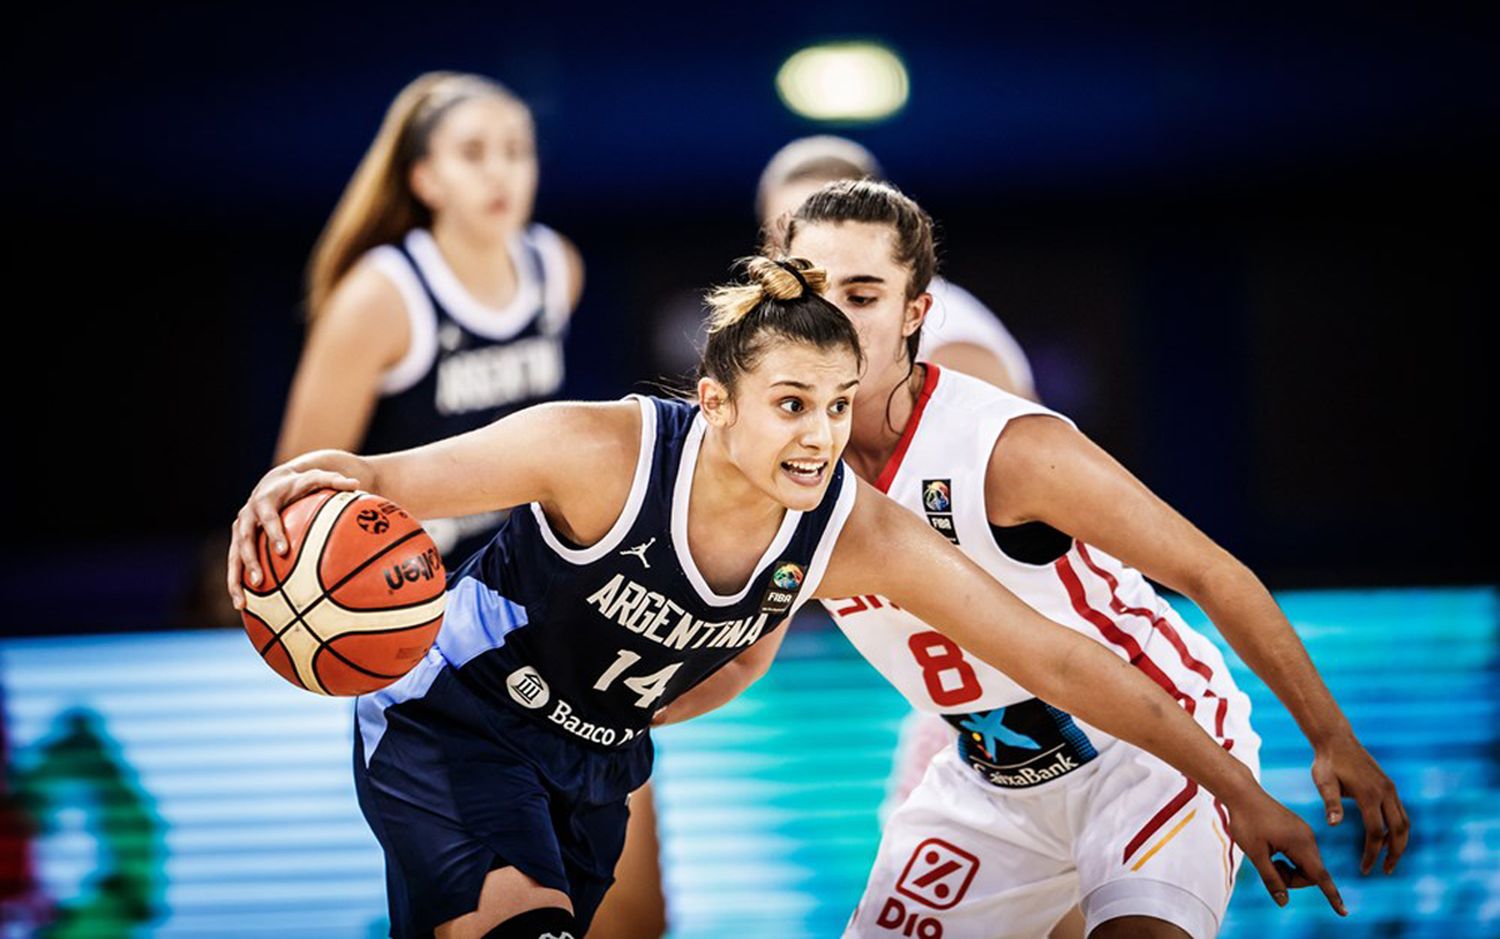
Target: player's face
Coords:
[[867, 282], [789, 420], [480, 170], [782, 201]]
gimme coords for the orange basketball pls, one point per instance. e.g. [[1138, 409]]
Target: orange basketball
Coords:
[[355, 602]]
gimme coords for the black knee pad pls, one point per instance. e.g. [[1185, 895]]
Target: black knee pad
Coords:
[[551, 922]]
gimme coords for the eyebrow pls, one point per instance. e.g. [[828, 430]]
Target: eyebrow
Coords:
[[861, 279], [804, 386]]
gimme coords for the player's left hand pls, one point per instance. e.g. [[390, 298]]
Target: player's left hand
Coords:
[[1343, 769], [1263, 828]]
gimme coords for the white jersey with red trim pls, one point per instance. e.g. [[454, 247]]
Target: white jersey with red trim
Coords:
[[1101, 824], [938, 472]]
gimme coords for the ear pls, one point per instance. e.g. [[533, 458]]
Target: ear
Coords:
[[713, 398], [916, 314], [424, 185]]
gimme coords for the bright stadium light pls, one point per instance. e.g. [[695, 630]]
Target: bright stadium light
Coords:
[[848, 81]]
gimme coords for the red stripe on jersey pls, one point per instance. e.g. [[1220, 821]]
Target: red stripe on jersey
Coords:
[[1160, 818], [1111, 630], [888, 475], [1159, 622], [1119, 637]]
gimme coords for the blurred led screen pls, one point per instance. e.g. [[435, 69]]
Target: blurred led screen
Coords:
[[170, 785]]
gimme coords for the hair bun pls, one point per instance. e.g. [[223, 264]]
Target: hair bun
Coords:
[[768, 280], [786, 279]]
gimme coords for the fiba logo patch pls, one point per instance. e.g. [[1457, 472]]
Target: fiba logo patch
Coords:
[[787, 577], [937, 499], [527, 688], [786, 580], [938, 874]]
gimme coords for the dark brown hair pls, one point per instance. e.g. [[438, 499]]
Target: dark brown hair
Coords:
[[779, 299], [914, 245]]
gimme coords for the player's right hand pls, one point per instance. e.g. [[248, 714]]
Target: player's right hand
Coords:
[[277, 489], [1263, 828]]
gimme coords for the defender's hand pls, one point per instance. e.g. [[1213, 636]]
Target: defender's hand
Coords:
[[1343, 769], [1263, 827]]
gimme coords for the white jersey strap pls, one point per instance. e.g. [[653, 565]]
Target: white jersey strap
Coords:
[[421, 349], [622, 525]]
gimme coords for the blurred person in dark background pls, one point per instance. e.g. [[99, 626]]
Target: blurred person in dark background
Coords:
[[959, 332], [434, 304]]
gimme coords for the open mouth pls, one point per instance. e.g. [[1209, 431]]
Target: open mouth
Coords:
[[805, 472]]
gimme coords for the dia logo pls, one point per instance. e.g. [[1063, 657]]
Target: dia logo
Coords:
[[893, 916]]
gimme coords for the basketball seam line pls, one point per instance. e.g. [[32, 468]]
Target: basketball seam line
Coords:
[[326, 647], [300, 617]]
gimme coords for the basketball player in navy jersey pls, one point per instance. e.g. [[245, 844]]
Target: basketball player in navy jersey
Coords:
[[435, 306], [665, 542], [961, 333]]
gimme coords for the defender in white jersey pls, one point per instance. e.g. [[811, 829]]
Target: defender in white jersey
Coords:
[[1031, 810], [1125, 831]]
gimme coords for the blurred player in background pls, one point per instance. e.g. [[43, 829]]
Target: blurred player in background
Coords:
[[1040, 810], [435, 305], [961, 332]]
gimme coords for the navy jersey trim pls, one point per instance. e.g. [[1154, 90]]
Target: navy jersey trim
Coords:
[[496, 324], [421, 319]]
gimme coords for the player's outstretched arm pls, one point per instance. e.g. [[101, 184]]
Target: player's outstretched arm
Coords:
[[887, 550], [577, 460], [727, 683], [1044, 470]]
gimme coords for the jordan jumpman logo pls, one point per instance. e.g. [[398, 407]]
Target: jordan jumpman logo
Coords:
[[640, 552]]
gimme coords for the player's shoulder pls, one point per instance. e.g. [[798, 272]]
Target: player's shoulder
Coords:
[[977, 409], [953, 391], [553, 243], [367, 301], [604, 424]]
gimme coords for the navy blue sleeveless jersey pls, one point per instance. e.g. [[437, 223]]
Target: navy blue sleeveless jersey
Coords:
[[518, 738], [591, 642], [468, 364]]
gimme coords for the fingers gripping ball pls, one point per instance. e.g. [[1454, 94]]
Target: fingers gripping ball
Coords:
[[355, 602]]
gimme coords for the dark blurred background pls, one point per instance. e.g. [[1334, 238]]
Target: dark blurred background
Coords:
[[1245, 251]]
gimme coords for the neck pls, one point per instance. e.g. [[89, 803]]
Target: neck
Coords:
[[721, 491], [876, 429], [482, 265]]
